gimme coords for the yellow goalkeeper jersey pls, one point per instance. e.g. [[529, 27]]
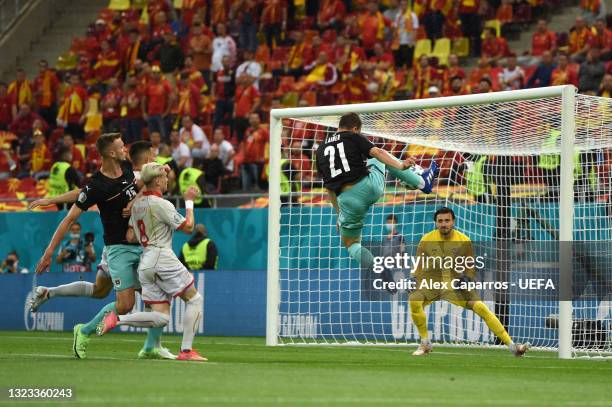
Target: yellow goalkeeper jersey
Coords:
[[444, 259]]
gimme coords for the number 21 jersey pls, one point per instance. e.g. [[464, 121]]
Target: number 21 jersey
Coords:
[[342, 159]]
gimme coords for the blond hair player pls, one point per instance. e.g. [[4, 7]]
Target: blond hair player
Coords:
[[161, 274]]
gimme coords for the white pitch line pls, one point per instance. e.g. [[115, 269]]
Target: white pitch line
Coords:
[[112, 339]]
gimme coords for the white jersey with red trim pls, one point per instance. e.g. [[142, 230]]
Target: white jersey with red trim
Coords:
[[154, 221]]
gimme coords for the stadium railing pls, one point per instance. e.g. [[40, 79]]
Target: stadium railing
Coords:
[[10, 10]]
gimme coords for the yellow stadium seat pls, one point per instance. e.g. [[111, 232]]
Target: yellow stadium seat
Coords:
[[422, 47], [442, 50], [493, 24], [178, 4], [461, 47], [119, 4]]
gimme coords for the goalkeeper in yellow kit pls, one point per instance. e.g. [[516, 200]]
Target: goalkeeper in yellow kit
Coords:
[[435, 281]]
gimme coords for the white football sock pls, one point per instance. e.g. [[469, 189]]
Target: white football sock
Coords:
[[144, 319], [193, 313], [76, 289]]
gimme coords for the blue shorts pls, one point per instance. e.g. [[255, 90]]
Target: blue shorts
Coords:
[[355, 202], [123, 263]]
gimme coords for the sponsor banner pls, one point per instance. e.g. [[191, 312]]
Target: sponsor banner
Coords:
[[234, 304]]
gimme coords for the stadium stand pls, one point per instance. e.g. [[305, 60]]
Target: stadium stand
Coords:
[[144, 65]]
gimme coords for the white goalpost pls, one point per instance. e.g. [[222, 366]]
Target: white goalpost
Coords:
[[528, 174]]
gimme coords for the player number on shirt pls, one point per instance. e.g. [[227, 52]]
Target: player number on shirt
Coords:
[[331, 152], [144, 239]]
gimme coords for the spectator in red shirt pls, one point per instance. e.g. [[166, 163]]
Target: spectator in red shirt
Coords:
[[157, 101], [78, 162], [200, 49], [74, 107], [20, 91], [40, 161], [543, 40], [563, 74], [6, 113], [484, 86], [23, 122], [224, 89], [494, 48], [383, 60], [457, 87], [246, 102], [580, 40], [603, 39], [108, 64], [132, 102], [373, 25], [471, 23], [188, 97], [46, 90], [330, 15], [253, 149], [111, 107], [273, 20]]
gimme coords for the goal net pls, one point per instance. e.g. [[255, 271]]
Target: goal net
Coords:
[[527, 174]]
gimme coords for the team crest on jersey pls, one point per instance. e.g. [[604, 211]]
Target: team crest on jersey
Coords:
[[82, 197], [117, 282]]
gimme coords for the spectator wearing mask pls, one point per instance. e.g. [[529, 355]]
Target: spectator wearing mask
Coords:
[[76, 254], [394, 241], [200, 252], [10, 265]]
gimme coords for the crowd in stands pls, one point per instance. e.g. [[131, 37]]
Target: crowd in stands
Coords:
[[198, 77]]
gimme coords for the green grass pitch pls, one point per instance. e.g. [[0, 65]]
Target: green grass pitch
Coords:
[[243, 371]]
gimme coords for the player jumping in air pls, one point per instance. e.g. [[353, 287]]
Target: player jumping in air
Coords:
[[111, 189], [161, 274], [444, 242], [353, 171]]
